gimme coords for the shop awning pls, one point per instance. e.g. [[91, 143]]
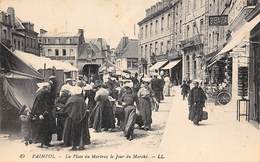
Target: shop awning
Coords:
[[158, 65], [171, 64], [238, 36], [38, 63]]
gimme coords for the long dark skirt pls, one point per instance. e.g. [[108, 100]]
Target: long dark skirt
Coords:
[[195, 112], [76, 134], [145, 111], [129, 123], [102, 116]]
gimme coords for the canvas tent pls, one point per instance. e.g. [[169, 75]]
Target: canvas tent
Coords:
[[38, 63], [16, 75]]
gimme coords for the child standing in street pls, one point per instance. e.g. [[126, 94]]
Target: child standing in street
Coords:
[[25, 118]]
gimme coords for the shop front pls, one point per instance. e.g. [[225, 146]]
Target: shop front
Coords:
[[174, 70], [254, 76]]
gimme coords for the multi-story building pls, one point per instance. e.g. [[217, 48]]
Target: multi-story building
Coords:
[[159, 34], [17, 34], [95, 53], [195, 42], [224, 67], [61, 46], [127, 54]]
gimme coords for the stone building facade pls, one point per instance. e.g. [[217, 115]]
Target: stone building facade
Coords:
[[160, 33], [61, 46], [17, 34]]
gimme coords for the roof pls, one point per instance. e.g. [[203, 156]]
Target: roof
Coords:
[[129, 51], [97, 42], [60, 34], [18, 23], [38, 63], [157, 13]]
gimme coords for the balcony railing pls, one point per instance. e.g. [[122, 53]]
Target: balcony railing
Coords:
[[195, 40]]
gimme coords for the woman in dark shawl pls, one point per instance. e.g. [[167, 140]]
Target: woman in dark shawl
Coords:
[[43, 123], [128, 99], [102, 115], [60, 103], [76, 132], [144, 105]]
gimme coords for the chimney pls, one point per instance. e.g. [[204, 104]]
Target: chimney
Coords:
[[11, 13], [100, 41], [81, 31], [148, 11], [125, 41]]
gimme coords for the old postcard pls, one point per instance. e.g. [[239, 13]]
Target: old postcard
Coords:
[[130, 80]]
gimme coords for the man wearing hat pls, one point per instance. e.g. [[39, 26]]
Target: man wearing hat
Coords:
[[196, 101]]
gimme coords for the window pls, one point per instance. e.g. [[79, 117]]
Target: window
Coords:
[[162, 23], [209, 41], [168, 21], [71, 52], [142, 48], [180, 25], [64, 52], [19, 45], [194, 28], [188, 7], [132, 63], [146, 30], [168, 45], [5, 34], [176, 9], [161, 49], [176, 28], [15, 43], [188, 30], [145, 52], [56, 52], [155, 48], [201, 26], [49, 52], [142, 32], [151, 29], [194, 4], [156, 26], [151, 49], [188, 65]]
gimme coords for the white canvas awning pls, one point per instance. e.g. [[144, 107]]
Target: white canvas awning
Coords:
[[38, 63], [237, 37], [158, 65], [171, 64]]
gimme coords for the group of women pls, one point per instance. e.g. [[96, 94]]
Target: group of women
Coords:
[[83, 106]]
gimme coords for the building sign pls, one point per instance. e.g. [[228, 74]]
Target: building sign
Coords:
[[219, 20]]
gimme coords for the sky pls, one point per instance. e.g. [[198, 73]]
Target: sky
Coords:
[[108, 19]]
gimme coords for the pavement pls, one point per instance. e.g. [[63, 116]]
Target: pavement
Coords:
[[173, 138], [220, 138]]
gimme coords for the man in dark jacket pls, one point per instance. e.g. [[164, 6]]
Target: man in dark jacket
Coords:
[[156, 87], [185, 88], [197, 100]]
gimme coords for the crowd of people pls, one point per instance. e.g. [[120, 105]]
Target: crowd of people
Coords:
[[100, 105]]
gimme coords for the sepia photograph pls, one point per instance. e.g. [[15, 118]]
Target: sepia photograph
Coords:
[[130, 80]]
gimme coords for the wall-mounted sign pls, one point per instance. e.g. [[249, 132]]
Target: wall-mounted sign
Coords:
[[218, 20]]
